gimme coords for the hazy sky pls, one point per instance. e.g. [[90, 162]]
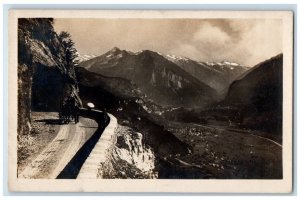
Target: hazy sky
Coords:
[[244, 41]]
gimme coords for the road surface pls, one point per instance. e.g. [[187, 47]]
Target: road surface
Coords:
[[51, 161]]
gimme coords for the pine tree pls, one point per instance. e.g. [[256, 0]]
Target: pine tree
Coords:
[[71, 54]]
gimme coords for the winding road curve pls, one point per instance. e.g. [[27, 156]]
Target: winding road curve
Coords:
[[51, 160], [71, 153]]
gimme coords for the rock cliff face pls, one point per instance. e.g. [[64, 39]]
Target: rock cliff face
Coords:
[[44, 77], [131, 157]]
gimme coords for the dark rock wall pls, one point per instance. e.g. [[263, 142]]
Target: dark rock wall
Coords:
[[44, 78]]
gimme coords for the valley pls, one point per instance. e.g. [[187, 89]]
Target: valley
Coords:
[[225, 153], [214, 142]]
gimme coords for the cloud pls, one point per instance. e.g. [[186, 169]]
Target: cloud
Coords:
[[211, 35], [263, 40], [243, 41]]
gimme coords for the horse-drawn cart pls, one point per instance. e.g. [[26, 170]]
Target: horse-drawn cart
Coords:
[[69, 111]]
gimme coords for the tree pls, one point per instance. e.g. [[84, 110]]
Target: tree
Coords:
[[71, 54]]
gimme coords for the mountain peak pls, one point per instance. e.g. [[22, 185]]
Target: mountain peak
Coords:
[[115, 49]]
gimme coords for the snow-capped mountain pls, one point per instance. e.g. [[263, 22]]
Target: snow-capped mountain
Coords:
[[218, 75], [82, 58], [160, 80]]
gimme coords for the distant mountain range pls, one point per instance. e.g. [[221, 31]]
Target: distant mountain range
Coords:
[[217, 75], [82, 58], [159, 80], [167, 80]]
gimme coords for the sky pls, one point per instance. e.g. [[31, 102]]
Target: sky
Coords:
[[244, 41]]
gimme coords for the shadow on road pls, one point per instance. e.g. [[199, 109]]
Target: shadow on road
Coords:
[[89, 126], [50, 121], [72, 169]]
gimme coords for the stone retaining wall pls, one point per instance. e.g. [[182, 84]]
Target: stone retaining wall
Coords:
[[100, 156]]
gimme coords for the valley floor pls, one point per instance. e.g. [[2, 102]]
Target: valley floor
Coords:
[[220, 152]]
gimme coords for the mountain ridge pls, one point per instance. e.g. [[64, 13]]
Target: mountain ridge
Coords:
[[158, 78], [217, 75]]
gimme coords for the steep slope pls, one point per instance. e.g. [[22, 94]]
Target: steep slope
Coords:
[[217, 75], [159, 79], [257, 97], [128, 110], [44, 76]]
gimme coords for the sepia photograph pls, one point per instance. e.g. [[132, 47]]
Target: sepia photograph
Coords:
[[149, 97]]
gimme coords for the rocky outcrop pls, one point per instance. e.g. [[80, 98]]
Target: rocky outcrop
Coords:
[[44, 77], [131, 157]]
